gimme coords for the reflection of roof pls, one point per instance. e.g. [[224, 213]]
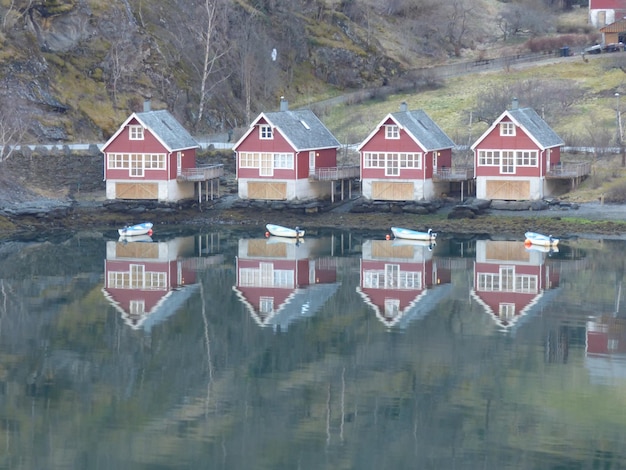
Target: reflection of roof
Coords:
[[303, 302], [167, 306], [542, 298], [421, 306], [605, 368]]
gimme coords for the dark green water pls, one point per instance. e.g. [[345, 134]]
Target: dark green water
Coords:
[[231, 351]]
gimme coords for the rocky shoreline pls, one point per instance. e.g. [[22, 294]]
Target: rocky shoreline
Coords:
[[471, 216]]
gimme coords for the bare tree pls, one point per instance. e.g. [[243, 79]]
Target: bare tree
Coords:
[[12, 127]]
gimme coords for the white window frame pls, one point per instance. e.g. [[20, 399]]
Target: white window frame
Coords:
[[283, 161], [249, 159], [507, 162], [265, 132], [387, 160], [392, 132], [507, 129], [135, 132], [266, 164], [488, 158], [527, 158]]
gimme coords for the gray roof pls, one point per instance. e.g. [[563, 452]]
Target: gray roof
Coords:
[[303, 129], [536, 127], [424, 129], [167, 129]]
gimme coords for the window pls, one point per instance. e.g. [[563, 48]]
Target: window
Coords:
[[526, 158], [526, 283], [265, 132], [392, 132], [248, 160], [283, 161], [135, 132], [507, 129], [136, 165], [506, 311], [507, 162], [488, 158], [154, 161], [392, 162], [266, 167]]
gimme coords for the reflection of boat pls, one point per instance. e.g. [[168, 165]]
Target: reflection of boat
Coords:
[[542, 249], [280, 231], [137, 238], [291, 241], [134, 230], [540, 239], [409, 234], [430, 244]]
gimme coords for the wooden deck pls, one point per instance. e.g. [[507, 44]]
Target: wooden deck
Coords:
[[454, 174], [566, 170], [336, 173], [202, 173]]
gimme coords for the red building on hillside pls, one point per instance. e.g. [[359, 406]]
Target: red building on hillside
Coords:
[[401, 155], [287, 155], [513, 157], [148, 158]]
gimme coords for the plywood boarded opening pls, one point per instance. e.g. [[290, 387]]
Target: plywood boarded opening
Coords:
[[508, 190], [391, 191], [260, 248], [269, 190], [382, 249], [137, 250], [506, 251], [136, 191]]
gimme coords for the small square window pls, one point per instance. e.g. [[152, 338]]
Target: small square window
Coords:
[[507, 129], [135, 132], [265, 132], [392, 132]]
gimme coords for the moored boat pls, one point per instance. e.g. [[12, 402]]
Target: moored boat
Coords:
[[144, 228], [408, 234], [540, 239], [280, 231]]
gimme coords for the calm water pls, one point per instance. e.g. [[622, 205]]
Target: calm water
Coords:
[[233, 351]]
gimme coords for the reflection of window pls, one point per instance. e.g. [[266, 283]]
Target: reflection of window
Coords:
[[391, 275], [507, 129], [410, 280], [266, 304], [373, 279], [507, 278], [137, 307], [392, 308], [392, 132], [265, 132], [135, 132], [506, 311]]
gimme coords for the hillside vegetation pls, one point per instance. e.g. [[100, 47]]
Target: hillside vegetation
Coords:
[[72, 70]]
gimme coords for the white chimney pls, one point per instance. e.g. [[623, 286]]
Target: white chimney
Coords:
[[284, 104]]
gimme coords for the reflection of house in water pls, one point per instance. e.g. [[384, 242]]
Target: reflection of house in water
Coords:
[[606, 347], [148, 282], [280, 280], [400, 280], [511, 281]]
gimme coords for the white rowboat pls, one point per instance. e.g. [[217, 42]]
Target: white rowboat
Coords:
[[134, 230], [540, 239], [409, 234], [280, 231]]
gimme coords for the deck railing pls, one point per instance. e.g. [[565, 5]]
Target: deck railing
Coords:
[[569, 170], [336, 173], [454, 174], [202, 173]]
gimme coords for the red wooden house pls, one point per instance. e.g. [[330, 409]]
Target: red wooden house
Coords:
[[400, 281], [149, 281], [280, 282], [510, 280], [279, 154], [512, 158], [143, 159], [604, 12], [400, 156]]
